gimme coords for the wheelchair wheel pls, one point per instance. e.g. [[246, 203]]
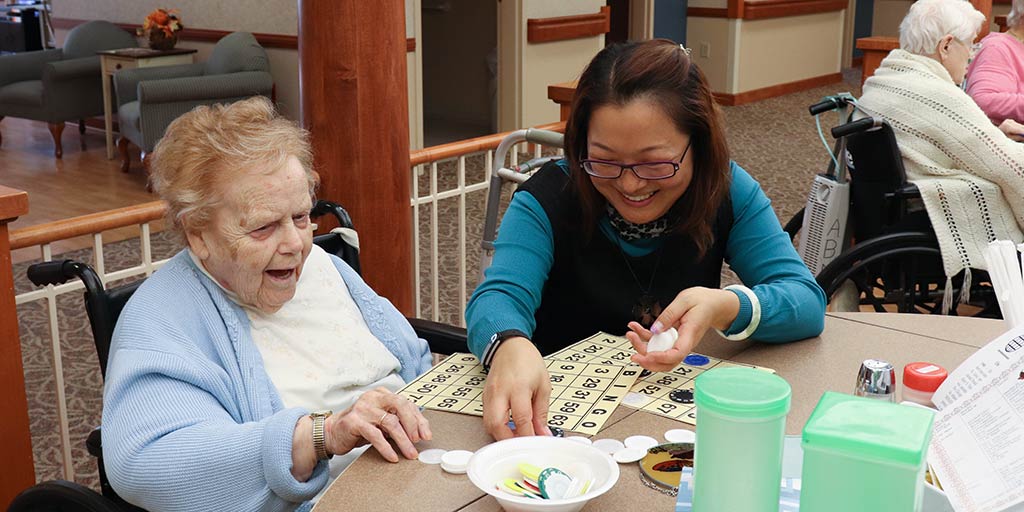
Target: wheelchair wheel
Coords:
[[902, 273], [61, 496]]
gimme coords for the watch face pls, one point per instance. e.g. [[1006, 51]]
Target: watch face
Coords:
[[324, 413]]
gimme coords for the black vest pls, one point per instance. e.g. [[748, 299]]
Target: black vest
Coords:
[[590, 288]]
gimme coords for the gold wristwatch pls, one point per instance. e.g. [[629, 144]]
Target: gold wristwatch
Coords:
[[319, 441]]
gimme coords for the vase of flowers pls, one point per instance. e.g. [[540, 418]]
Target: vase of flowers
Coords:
[[161, 28]]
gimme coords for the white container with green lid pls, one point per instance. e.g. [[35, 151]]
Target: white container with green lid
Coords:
[[741, 421], [864, 455]]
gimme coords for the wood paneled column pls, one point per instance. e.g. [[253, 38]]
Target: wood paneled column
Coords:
[[352, 72], [18, 471]]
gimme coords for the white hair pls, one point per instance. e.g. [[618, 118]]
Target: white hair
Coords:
[[928, 21], [1016, 12]]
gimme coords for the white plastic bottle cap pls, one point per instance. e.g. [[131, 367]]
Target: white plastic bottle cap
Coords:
[[431, 456], [627, 455], [456, 461], [679, 435], [642, 442], [609, 446]]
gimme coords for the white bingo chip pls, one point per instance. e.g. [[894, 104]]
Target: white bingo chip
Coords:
[[627, 455], [663, 340], [431, 456], [456, 461], [679, 435], [641, 442], [609, 446]]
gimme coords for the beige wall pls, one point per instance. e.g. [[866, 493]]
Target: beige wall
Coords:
[[781, 50], [717, 35], [744, 55], [266, 16], [714, 4], [525, 70], [998, 10], [887, 17]]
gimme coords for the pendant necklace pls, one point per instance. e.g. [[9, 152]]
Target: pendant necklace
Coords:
[[647, 307]]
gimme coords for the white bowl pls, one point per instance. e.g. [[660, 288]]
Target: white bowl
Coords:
[[495, 462]]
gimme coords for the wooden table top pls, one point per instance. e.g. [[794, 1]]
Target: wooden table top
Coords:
[[826, 363]]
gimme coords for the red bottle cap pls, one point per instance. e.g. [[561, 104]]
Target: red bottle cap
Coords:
[[923, 376]]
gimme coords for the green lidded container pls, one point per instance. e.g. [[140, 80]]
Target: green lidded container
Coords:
[[741, 422], [862, 454]]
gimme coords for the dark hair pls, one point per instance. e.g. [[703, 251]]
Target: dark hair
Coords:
[[660, 71]]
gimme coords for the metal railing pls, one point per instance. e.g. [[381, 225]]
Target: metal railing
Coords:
[[426, 202], [43, 236]]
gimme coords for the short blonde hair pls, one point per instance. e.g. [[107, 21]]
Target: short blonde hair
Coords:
[[928, 21], [1016, 14], [220, 144]]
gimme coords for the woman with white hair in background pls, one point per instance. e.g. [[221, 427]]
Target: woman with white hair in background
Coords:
[[996, 77], [970, 174]]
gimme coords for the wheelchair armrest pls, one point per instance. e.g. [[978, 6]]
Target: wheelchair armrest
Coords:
[[94, 443], [907, 191], [442, 338]]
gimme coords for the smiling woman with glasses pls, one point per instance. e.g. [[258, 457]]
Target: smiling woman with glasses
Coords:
[[628, 234]]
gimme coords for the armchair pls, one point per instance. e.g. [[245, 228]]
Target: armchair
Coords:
[[55, 86], [148, 99]]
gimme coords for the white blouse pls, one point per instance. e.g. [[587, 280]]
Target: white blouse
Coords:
[[317, 349]]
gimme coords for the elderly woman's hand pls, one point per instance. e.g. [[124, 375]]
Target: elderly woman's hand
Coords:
[[378, 414], [1013, 130], [693, 312]]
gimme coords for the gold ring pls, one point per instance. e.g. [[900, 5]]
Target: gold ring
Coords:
[[380, 422]]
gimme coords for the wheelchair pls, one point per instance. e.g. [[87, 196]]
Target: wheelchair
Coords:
[[890, 259], [103, 306]]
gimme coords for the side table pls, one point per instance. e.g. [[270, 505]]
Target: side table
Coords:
[[112, 61]]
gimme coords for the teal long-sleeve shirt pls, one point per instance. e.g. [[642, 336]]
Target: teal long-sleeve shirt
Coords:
[[758, 250]]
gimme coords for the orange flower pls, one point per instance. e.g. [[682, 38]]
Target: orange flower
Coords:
[[159, 17], [164, 19]]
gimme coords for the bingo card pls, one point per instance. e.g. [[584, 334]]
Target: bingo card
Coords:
[[583, 395], [668, 394]]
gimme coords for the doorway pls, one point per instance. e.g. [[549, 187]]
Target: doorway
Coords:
[[460, 42]]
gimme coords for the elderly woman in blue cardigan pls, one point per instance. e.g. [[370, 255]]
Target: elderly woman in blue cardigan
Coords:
[[227, 362]]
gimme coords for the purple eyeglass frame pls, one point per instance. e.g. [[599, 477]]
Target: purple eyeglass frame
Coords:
[[631, 167]]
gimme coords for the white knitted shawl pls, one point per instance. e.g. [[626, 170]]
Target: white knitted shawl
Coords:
[[971, 176]]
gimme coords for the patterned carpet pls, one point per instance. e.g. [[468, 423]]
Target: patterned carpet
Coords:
[[775, 140]]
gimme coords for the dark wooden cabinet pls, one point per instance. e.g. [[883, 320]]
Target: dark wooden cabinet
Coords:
[[20, 31]]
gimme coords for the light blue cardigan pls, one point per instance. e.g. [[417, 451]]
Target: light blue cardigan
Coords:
[[191, 421]]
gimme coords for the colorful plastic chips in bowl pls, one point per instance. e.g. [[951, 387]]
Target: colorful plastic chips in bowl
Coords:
[[542, 474]]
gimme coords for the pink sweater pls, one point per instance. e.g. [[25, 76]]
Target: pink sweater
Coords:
[[995, 78]]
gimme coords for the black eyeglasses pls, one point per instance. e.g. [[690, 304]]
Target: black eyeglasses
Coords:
[[643, 170]]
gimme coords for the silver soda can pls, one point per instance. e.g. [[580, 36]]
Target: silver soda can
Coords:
[[876, 379]]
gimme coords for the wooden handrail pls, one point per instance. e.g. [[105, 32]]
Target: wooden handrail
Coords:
[[561, 28], [87, 224], [13, 203], [82, 225], [465, 147]]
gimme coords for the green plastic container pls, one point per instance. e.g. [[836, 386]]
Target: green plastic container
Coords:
[[864, 455], [741, 421]]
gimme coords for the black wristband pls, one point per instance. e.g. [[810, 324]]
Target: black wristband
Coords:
[[496, 340]]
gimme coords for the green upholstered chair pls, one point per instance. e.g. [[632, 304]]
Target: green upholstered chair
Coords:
[[148, 99], [60, 85]]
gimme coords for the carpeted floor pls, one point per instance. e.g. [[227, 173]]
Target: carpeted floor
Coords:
[[775, 140]]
